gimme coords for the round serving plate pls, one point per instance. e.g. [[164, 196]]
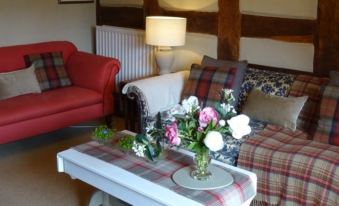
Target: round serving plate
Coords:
[[220, 178]]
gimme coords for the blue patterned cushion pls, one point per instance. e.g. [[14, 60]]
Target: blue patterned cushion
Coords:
[[274, 83]]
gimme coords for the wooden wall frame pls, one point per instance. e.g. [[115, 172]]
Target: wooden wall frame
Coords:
[[322, 32], [74, 1]]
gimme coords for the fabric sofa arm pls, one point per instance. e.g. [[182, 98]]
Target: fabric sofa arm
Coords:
[[94, 72], [156, 94]]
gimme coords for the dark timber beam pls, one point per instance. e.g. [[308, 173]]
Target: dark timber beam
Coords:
[[229, 29], [130, 17], [326, 56], [152, 8], [285, 29], [200, 22]]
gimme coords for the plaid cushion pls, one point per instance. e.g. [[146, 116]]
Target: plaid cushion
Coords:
[[207, 82], [328, 124], [49, 69], [311, 86]]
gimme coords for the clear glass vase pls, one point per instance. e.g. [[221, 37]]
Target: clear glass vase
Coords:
[[201, 162]]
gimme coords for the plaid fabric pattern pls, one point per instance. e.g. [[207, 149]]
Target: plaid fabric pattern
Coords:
[[161, 172], [311, 86], [49, 69], [328, 124], [206, 83], [291, 170]]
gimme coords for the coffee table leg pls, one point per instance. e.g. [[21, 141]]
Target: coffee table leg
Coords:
[[100, 198]]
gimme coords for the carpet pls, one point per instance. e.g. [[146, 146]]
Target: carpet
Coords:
[[28, 173]]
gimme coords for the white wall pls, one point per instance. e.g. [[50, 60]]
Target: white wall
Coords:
[[27, 21]]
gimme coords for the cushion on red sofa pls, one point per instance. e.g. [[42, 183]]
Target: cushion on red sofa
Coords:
[[49, 69], [12, 56], [50, 102]]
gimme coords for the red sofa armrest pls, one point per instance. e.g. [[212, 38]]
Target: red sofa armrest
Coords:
[[94, 72]]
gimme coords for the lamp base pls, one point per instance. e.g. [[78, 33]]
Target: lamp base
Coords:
[[164, 58]]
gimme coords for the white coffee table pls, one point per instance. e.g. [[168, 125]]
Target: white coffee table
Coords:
[[126, 186]]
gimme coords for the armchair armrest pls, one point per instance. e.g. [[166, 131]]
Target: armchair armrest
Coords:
[[94, 72], [156, 94]]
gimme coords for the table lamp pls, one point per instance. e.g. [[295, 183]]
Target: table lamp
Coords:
[[164, 32]]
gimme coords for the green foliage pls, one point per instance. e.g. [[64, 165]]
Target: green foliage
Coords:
[[126, 142], [153, 147], [102, 132]]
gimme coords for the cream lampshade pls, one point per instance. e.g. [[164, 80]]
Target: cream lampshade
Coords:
[[164, 32]]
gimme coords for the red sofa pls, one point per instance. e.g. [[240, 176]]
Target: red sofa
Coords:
[[89, 97]]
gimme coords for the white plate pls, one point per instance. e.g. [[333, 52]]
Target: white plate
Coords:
[[219, 178]]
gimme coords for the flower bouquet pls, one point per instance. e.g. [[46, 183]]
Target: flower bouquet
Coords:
[[202, 129], [194, 128]]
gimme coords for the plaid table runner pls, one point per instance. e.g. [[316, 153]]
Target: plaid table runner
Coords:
[[291, 170], [161, 172]]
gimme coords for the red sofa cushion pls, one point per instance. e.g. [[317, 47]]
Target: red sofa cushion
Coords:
[[30, 106], [49, 69], [12, 57]]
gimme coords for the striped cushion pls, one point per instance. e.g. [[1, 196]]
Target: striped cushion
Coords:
[[49, 69], [311, 86], [207, 82], [328, 124]]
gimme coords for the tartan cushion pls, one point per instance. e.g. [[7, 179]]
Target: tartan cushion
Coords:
[[328, 124], [207, 82], [49, 69], [311, 86], [239, 78]]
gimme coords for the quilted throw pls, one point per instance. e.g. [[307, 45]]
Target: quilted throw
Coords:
[[291, 170]]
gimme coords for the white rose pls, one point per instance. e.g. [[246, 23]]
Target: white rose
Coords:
[[222, 122], [190, 103], [239, 126], [177, 109], [214, 141]]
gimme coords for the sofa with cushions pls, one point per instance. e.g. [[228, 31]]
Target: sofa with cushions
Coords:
[[294, 144], [50, 85]]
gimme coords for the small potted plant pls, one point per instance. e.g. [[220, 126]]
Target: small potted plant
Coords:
[[102, 134]]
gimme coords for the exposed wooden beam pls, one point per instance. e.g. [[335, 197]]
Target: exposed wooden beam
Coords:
[[130, 17], [200, 22], [286, 29], [326, 56], [151, 8], [229, 29]]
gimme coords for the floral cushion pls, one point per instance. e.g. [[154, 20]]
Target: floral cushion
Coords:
[[229, 153], [328, 124], [274, 83], [49, 69]]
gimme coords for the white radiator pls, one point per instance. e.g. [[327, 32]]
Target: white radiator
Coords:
[[127, 45]]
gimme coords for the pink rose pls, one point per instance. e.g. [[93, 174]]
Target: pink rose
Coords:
[[207, 115], [171, 132]]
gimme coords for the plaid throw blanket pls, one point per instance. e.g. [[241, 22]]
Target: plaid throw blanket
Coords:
[[161, 172], [291, 170]]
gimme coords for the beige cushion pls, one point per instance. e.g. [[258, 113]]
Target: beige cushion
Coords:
[[283, 111], [18, 82]]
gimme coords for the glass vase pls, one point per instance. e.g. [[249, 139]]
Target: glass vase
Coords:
[[201, 162]]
